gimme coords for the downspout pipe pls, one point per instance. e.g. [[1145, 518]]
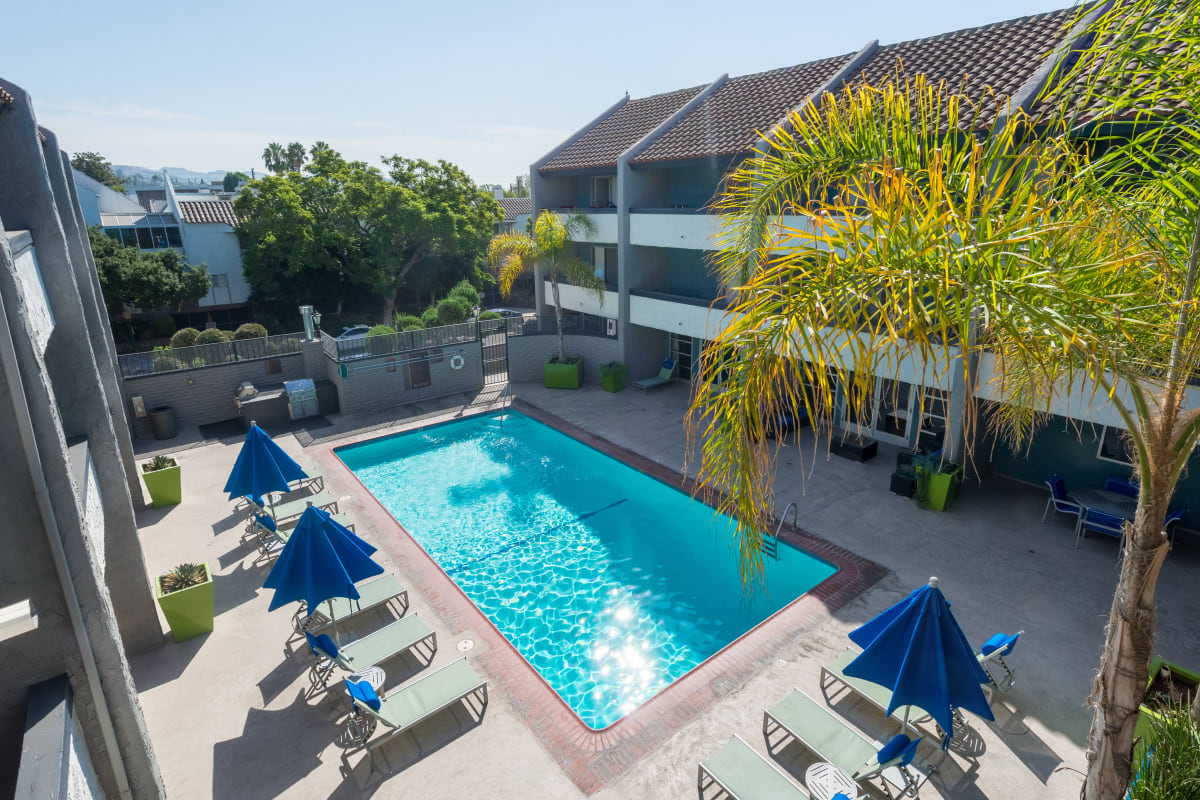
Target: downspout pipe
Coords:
[[33, 461]]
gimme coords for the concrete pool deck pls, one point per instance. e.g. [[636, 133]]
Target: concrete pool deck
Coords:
[[228, 715]]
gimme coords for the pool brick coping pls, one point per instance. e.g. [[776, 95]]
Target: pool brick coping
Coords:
[[594, 759]]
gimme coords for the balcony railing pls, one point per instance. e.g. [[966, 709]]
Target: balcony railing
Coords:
[[686, 296], [175, 359], [574, 324], [402, 342]]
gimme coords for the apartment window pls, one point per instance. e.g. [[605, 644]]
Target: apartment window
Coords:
[[129, 237], [681, 351], [219, 280], [610, 267], [418, 372], [144, 239], [160, 237], [1114, 446], [113, 233], [173, 239], [936, 403], [604, 191]]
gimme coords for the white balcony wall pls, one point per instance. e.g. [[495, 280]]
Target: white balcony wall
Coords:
[[606, 230], [576, 298], [683, 318], [688, 231]]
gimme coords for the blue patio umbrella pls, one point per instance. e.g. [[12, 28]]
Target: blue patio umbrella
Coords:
[[261, 467], [916, 649], [321, 560]]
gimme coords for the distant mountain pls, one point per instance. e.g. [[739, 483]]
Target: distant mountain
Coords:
[[179, 175]]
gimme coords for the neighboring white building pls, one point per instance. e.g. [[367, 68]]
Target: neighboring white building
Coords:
[[199, 225], [516, 214]]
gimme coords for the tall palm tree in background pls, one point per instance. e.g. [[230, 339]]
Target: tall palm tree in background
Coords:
[[1059, 253], [549, 244], [294, 156], [274, 157]]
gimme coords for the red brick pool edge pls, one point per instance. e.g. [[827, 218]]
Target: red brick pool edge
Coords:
[[593, 759]]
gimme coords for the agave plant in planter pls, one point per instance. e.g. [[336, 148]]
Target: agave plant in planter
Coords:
[[162, 478], [185, 595]]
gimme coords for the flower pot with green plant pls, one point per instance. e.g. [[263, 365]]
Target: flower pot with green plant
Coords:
[[185, 595], [162, 477], [937, 481]]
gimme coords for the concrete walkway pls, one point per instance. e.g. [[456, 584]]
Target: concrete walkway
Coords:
[[229, 715]]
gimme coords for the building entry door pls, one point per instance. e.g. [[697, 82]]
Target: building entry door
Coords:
[[886, 415]]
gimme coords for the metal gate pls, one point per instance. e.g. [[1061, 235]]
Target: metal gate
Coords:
[[493, 337]]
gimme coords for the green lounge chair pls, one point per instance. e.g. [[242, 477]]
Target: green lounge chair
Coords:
[[294, 508], [661, 379], [832, 740], [741, 773], [910, 717], [384, 644], [406, 706], [372, 594], [272, 535]]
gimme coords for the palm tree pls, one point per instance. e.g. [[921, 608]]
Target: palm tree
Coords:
[[294, 156], [1059, 257], [548, 245], [273, 157]]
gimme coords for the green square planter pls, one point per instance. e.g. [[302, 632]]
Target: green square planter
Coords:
[[943, 486], [1144, 729], [189, 611], [164, 485], [612, 377], [565, 376]]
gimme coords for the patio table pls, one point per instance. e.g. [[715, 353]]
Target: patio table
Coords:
[[825, 780], [1115, 503]]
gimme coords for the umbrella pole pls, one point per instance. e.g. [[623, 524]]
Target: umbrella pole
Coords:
[[337, 638]]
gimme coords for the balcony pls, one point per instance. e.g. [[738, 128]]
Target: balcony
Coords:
[[576, 298], [605, 220], [680, 313], [688, 228]]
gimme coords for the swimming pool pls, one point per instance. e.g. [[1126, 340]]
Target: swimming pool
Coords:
[[611, 584]]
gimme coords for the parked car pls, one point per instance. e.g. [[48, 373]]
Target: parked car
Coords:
[[506, 312], [352, 341], [353, 332]]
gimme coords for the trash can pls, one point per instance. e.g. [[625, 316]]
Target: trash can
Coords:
[[612, 376], [162, 420]]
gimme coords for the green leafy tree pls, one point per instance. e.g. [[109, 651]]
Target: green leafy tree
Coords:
[[147, 280], [1064, 254], [98, 167], [232, 179], [551, 246]]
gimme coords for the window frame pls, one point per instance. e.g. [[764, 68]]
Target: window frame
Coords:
[[1104, 429]]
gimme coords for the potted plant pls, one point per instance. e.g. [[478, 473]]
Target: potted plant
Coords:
[[612, 376], [904, 480], [1170, 686], [161, 475], [185, 595], [937, 481], [551, 244]]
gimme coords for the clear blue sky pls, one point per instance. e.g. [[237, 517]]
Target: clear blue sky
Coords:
[[491, 86]]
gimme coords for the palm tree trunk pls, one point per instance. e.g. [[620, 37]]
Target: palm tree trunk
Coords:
[[562, 349], [1120, 683]]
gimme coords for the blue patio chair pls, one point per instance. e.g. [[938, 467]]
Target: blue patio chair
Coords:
[[1122, 486], [1172, 520], [1099, 521], [1059, 500]]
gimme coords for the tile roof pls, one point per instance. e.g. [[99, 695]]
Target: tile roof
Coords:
[[208, 211], [730, 119], [1002, 57], [600, 146], [514, 206]]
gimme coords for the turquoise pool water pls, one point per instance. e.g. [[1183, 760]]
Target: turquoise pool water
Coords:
[[609, 582]]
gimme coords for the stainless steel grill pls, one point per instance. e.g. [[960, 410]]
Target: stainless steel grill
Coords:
[[302, 398]]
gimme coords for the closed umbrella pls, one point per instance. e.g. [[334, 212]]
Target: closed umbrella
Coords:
[[916, 649], [261, 467], [321, 560]]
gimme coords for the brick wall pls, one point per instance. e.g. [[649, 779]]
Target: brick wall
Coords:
[[204, 395], [527, 355], [369, 386]]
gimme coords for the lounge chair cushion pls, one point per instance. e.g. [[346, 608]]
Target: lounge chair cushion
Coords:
[[899, 746], [839, 796], [266, 522], [364, 693], [322, 643], [1000, 640]]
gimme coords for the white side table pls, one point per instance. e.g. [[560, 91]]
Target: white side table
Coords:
[[372, 675], [824, 780]]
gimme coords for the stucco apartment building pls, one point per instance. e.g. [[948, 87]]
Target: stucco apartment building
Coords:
[[74, 595], [646, 169]]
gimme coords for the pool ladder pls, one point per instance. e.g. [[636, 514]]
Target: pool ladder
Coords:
[[770, 546], [505, 399]]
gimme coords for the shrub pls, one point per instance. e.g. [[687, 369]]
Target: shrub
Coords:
[[430, 317], [453, 310], [184, 337], [161, 327], [249, 330], [407, 322], [491, 315], [210, 336], [165, 362], [467, 292], [379, 347]]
